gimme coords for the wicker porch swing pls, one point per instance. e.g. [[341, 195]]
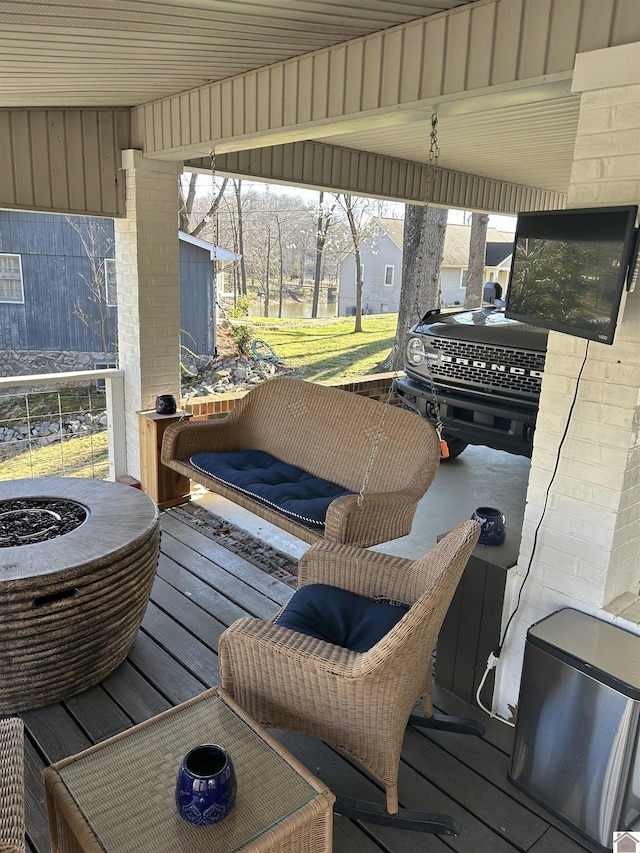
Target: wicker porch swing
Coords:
[[319, 462]]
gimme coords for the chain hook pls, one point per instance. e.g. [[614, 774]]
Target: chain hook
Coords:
[[214, 187]]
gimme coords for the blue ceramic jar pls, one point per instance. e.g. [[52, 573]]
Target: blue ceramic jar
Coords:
[[494, 525], [206, 785]]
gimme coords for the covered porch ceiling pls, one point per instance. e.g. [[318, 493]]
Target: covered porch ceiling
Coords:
[[503, 98]]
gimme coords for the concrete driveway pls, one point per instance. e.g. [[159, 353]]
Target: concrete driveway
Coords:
[[479, 477]]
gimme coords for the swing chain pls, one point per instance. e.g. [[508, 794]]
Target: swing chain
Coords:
[[434, 153], [432, 164], [376, 442], [212, 167]]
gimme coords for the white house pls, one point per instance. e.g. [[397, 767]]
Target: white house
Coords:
[[381, 258]]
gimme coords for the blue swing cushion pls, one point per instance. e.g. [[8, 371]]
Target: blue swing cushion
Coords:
[[272, 482], [340, 617]]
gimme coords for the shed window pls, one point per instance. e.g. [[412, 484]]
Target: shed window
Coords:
[[388, 275], [110, 282], [11, 287]]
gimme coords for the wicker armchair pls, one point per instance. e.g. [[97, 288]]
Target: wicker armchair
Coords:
[[357, 701], [12, 785]]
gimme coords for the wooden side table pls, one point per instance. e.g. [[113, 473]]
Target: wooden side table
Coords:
[[119, 796], [165, 486], [471, 628]]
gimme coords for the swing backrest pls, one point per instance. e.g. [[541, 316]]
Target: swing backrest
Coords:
[[331, 433]]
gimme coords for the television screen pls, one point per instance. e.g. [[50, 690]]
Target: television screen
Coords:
[[569, 269]]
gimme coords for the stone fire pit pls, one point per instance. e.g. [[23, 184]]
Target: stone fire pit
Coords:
[[74, 590]]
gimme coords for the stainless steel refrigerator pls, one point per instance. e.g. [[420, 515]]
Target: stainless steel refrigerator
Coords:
[[576, 738]]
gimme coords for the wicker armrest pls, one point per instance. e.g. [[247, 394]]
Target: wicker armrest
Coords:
[[374, 574], [368, 573], [181, 440], [379, 517], [259, 643]]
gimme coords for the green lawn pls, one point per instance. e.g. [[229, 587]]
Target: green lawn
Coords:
[[319, 350], [85, 456], [328, 348]]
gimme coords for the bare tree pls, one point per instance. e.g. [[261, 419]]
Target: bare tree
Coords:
[[281, 263], [267, 270], [235, 269], [422, 252], [357, 212], [477, 254], [237, 185], [186, 201], [323, 220], [186, 206], [96, 244]]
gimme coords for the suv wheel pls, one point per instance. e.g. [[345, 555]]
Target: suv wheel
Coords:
[[456, 446]]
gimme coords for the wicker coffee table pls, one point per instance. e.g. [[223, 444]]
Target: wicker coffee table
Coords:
[[118, 796]]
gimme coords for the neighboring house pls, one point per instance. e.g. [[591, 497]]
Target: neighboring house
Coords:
[[52, 269], [455, 263], [381, 258]]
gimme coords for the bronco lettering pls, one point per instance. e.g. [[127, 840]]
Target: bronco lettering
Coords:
[[483, 365]]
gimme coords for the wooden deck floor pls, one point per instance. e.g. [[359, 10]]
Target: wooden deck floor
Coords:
[[200, 589]]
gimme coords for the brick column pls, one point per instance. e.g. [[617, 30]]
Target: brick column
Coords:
[[588, 543], [147, 256]]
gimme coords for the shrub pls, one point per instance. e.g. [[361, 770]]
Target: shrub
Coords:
[[243, 335], [241, 309]]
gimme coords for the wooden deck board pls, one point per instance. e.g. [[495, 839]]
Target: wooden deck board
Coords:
[[200, 589], [494, 807]]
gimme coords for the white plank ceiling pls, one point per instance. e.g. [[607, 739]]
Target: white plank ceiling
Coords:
[[119, 53], [122, 53]]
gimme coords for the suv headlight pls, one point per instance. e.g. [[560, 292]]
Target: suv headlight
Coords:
[[415, 351]]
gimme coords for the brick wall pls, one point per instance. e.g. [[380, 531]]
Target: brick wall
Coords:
[[148, 270], [376, 386], [605, 162], [586, 553]]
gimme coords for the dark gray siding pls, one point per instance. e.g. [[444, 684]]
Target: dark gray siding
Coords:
[[197, 329], [60, 311]]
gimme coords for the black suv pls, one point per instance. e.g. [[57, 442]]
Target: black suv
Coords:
[[480, 372]]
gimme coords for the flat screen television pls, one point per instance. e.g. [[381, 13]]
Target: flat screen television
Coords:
[[569, 269]]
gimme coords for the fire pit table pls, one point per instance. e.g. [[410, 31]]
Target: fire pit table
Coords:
[[77, 561]]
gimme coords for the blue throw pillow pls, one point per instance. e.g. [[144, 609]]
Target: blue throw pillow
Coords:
[[340, 617]]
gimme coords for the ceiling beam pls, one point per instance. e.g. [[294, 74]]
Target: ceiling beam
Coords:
[[386, 78], [318, 166]]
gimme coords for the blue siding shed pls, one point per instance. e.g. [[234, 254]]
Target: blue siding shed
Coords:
[[61, 311]]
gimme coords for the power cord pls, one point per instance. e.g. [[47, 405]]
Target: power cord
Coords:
[[494, 656], [492, 661]]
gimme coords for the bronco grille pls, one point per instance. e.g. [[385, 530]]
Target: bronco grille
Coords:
[[473, 363]]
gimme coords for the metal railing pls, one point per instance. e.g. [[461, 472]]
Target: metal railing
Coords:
[[62, 424]]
